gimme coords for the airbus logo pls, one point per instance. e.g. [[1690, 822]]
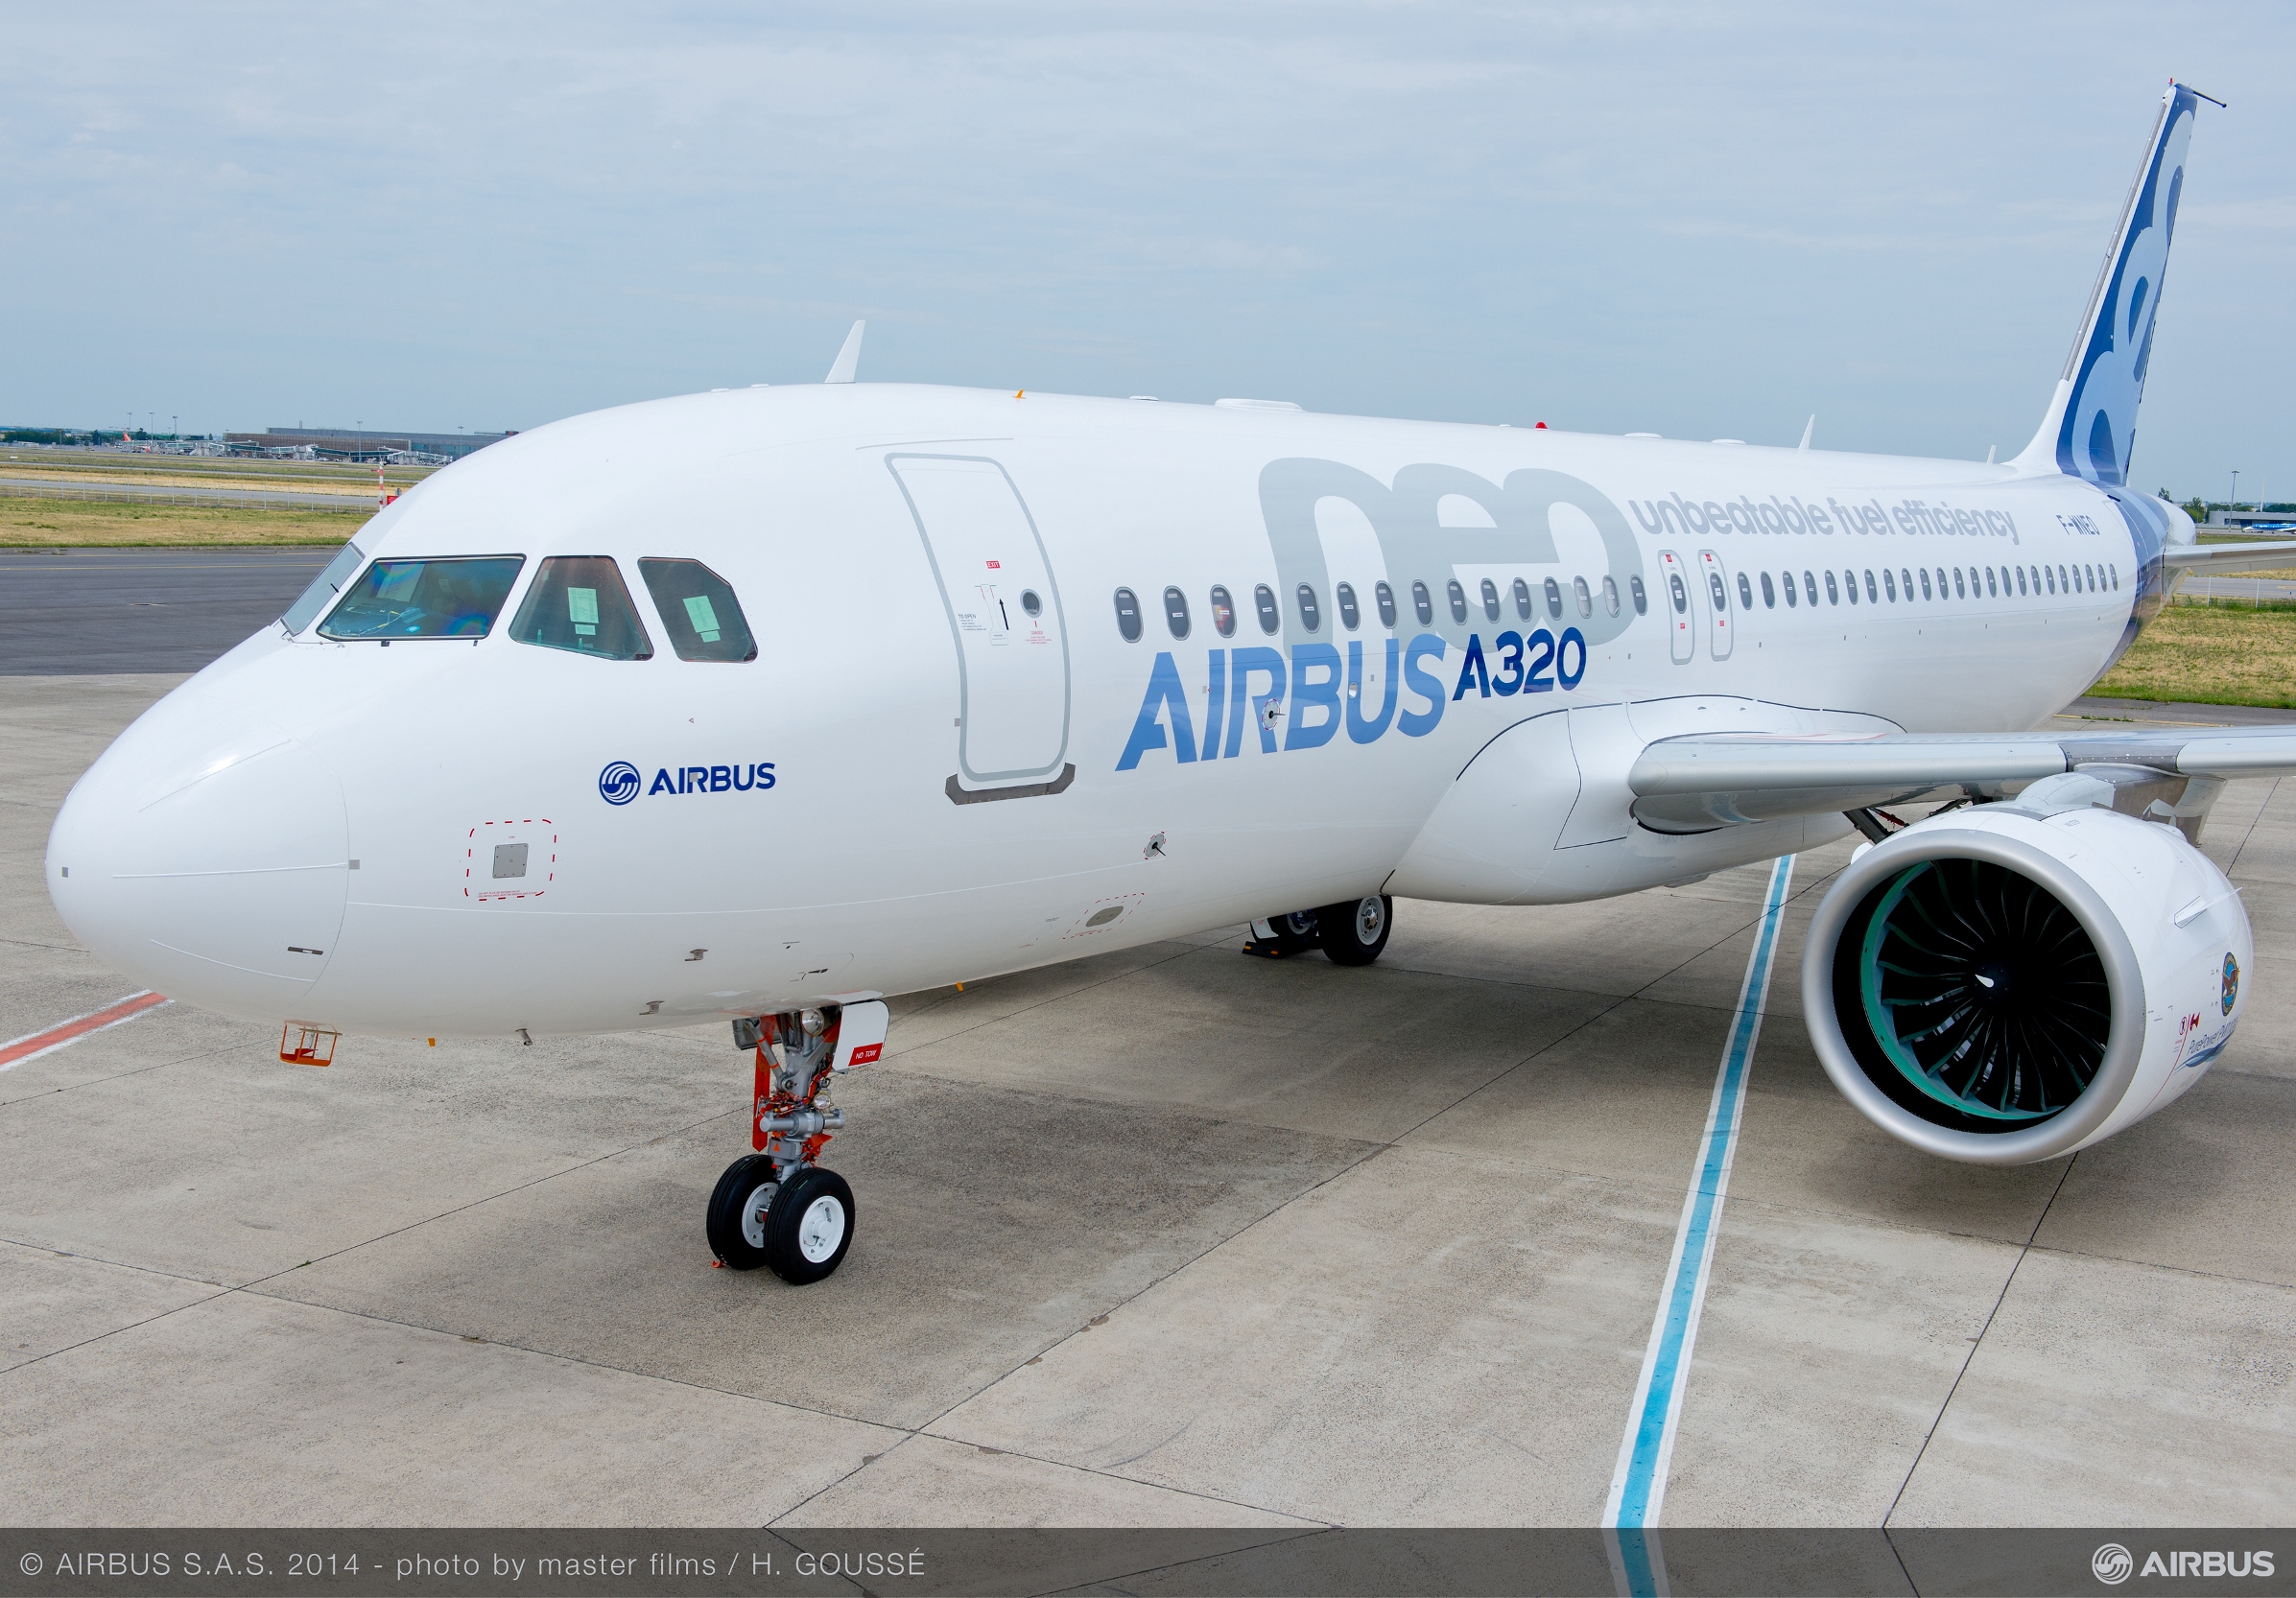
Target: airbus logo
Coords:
[[2113, 1564], [621, 781]]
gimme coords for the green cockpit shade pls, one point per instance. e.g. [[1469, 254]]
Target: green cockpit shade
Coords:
[[578, 602], [1984, 991], [448, 597], [698, 609]]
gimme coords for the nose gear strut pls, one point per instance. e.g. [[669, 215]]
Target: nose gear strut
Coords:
[[775, 1206]]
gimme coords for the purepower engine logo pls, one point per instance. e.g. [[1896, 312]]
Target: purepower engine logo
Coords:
[[2112, 1565], [619, 783]]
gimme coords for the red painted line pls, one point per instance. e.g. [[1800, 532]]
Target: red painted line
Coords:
[[64, 1033]]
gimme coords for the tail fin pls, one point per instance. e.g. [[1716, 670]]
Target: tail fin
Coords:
[[2091, 421]]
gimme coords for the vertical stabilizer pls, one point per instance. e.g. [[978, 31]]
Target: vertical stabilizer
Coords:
[[2090, 425]]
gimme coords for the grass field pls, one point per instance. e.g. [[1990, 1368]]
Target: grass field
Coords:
[[2211, 655], [89, 524]]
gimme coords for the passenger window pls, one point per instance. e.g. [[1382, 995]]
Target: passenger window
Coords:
[[1223, 612], [1310, 617], [324, 587], [1991, 587], [1872, 593], [704, 619], [1387, 605], [1264, 599], [1849, 581], [1642, 599], [1422, 604], [578, 602], [1127, 615], [1745, 593], [2051, 578], [1810, 586], [1786, 581], [1521, 599], [1554, 598], [1906, 577], [1720, 594], [1610, 594], [456, 596], [1490, 599], [1586, 599], [2020, 580], [1832, 594], [1458, 601], [1681, 594], [2064, 581], [1349, 614], [1925, 585], [1957, 593], [1889, 584], [1175, 612], [2115, 578], [1032, 602]]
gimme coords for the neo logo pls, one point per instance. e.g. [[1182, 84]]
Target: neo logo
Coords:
[[619, 783]]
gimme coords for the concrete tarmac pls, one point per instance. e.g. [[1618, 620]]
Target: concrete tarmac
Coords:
[[141, 610], [1168, 1236]]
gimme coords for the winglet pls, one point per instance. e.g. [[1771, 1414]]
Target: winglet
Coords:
[[1808, 427], [849, 359]]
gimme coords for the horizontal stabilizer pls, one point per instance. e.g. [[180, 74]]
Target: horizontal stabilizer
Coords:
[[2215, 559]]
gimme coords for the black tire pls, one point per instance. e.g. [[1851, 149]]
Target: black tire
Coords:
[[809, 1227], [1355, 934], [728, 1239]]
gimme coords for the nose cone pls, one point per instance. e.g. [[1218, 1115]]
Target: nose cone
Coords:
[[204, 856]]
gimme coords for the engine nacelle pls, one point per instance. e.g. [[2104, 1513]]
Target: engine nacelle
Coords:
[[2015, 981]]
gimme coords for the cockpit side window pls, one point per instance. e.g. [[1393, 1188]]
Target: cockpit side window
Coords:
[[452, 597], [578, 602], [703, 618], [323, 588]]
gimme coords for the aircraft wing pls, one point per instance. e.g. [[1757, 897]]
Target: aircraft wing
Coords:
[[1708, 779], [2212, 559]]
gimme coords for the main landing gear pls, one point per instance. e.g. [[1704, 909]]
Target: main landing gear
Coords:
[[1353, 932], [776, 1207]]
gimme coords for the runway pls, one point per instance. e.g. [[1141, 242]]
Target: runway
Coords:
[[1170, 1237]]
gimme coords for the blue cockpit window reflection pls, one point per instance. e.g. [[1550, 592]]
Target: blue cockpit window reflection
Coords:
[[452, 597]]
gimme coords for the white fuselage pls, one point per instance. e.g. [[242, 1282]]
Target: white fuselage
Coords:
[[922, 825]]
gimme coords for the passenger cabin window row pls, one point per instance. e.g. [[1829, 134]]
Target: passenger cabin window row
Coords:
[[579, 604], [1948, 582], [1307, 604]]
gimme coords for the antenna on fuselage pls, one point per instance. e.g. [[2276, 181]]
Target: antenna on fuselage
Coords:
[[849, 359], [1808, 427]]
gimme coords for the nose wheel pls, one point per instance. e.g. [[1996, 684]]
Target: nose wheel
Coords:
[[775, 1207], [798, 1229]]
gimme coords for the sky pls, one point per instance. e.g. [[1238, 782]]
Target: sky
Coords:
[[1703, 221]]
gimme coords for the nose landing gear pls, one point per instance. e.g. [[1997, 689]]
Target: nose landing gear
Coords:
[[776, 1207]]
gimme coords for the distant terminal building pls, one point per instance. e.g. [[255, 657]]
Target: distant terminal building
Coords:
[[2241, 520], [343, 443]]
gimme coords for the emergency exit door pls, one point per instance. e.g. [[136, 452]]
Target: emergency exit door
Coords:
[[1004, 616]]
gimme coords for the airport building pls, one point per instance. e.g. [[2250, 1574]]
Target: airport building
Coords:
[[2241, 520], [343, 443]]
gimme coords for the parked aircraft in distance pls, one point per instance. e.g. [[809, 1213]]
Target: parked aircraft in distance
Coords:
[[769, 703]]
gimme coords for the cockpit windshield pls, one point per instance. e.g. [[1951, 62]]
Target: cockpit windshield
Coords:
[[451, 597], [324, 588]]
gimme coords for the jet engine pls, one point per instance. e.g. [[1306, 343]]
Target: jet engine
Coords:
[[2013, 981]]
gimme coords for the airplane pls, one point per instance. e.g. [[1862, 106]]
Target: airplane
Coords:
[[767, 704]]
